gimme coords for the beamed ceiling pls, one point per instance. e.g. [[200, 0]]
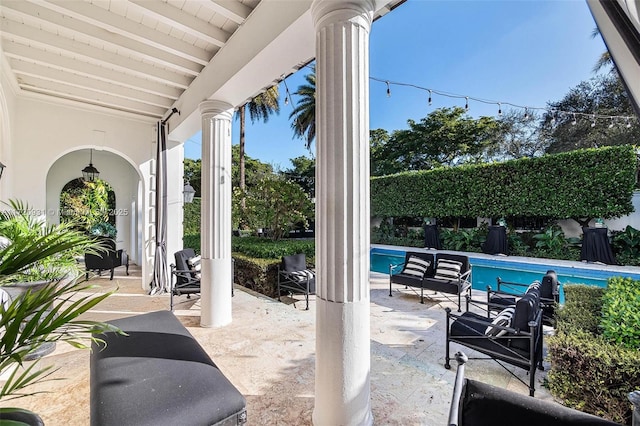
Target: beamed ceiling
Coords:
[[136, 56]]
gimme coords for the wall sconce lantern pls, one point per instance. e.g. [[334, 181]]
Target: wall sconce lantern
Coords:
[[90, 173], [188, 193]]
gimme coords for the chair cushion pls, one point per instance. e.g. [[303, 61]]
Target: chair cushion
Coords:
[[302, 276], [448, 269], [416, 267], [194, 265], [296, 262], [503, 319]]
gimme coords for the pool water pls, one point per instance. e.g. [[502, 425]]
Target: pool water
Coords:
[[486, 271]]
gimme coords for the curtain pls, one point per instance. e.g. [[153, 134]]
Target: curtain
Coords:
[[160, 282]]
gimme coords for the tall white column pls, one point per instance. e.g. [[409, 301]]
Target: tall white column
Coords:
[[215, 234], [342, 390]]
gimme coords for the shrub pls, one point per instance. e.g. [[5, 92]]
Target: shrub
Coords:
[[588, 371], [581, 310], [264, 248], [626, 245], [621, 312], [592, 375], [260, 275]]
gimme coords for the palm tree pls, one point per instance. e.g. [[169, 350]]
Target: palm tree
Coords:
[[605, 60], [260, 107], [304, 113]]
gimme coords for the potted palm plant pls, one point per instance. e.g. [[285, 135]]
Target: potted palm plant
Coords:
[[44, 313]]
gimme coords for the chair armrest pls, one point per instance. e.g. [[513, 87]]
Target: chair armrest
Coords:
[[393, 266]]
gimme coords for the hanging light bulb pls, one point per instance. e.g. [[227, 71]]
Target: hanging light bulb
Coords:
[[429, 97], [499, 109], [466, 103], [628, 126], [575, 121], [526, 113], [553, 118], [611, 124], [388, 89], [593, 123], [286, 99]]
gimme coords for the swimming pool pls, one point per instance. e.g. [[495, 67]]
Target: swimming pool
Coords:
[[485, 269]]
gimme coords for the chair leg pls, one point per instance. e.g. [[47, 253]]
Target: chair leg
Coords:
[[447, 365], [390, 295], [86, 276], [422, 295], [111, 277], [127, 266], [459, 301]]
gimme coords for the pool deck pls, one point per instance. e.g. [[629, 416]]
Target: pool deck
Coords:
[[268, 353]]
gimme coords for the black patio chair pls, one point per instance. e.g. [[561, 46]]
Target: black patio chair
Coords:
[[295, 278], [106, 260], [516, 340], [508, 292], [185, 275], [478, 404]]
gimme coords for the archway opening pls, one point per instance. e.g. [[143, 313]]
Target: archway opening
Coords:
[[91, 206]]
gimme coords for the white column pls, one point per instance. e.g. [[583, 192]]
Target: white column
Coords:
[[342, 390], [215, 232]]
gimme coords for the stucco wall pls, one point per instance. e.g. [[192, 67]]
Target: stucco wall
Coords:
[[50, 144]]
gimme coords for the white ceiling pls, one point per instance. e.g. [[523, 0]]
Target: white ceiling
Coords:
[[136, 56], [146, 57]]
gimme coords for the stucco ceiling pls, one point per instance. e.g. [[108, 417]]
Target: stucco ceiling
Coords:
[[129, 55], [145, 57]]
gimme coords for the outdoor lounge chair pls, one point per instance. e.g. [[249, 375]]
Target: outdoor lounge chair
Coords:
[[106, 261], [443, 272], [513, 337], [478, 404], [295, 278], [185, 274], [508, 292]]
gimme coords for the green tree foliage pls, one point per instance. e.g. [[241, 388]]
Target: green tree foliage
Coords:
[[602, 95], [445, 137], [303, 173], [87, 204], [261, 107], [581, 184], [193, 174], [276, 205], [518, 136], [304, 113], [255, 170], [621, 312]]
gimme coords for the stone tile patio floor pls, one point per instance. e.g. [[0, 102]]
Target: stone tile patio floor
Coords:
[[268, 350]]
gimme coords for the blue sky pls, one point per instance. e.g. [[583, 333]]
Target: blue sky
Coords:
[[517, 51]]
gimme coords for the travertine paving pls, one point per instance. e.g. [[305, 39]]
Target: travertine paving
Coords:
[[268, 353]]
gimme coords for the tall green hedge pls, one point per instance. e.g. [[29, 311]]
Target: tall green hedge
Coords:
[[578, 184]]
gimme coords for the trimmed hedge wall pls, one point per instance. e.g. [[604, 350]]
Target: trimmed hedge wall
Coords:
[[578, 184], [588, 371]]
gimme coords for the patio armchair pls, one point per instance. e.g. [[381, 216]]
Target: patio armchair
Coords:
[[508, 292], [479, 404], [106, 261], [514, 336], [295, 278], [185, 274]]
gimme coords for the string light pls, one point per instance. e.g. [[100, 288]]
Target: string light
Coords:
[[611, 124], [555, 114], [466, 103]]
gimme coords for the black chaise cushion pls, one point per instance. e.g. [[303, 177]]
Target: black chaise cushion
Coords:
[[158, 375], [486, 405]]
